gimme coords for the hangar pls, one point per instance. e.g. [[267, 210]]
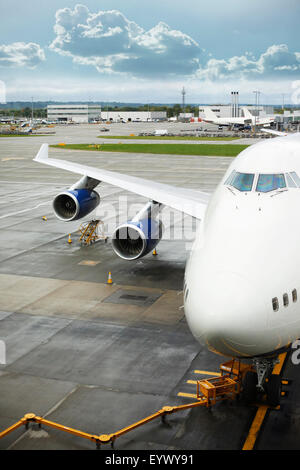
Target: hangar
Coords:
[[134, 116], [80, 113], [84, 113]]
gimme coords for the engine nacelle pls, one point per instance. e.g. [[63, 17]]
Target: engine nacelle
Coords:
[[75, 204], [135, 239]]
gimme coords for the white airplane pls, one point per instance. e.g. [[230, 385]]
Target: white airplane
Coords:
[[247, 120], [267, 121], [242, 279]]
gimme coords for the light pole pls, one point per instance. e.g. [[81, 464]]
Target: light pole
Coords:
[[234, 104], [257, 93], [183, 92]]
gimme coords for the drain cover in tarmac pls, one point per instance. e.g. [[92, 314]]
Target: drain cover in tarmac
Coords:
[[132, 297]]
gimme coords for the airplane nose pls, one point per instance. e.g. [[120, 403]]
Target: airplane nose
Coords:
[[224, 312]]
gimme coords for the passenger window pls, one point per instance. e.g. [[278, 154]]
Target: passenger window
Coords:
[[294, 295], [275, 304], [268, 182], [285, 300]]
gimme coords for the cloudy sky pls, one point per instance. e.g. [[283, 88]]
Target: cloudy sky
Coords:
[[142, 51]]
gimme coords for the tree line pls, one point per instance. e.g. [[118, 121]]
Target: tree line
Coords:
[[38, 113], [171, 110], [41, 113]]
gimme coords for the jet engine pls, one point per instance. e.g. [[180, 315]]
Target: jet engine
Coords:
[[78, 201], [137, 237]]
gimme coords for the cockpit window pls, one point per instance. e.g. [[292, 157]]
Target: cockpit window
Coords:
[[265, 182], [290, 181], [295, 178], [243, 181], [230, 178], [268, 183]]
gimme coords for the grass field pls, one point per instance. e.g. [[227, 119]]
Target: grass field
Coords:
[[225, 150], [148, 137], [22, 135]]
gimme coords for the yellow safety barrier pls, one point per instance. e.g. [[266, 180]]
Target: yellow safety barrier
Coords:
[[209, 391], [98, 439]]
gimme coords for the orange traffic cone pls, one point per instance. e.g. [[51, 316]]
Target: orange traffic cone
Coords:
[[109, 280], [154, 252], [70, 239]]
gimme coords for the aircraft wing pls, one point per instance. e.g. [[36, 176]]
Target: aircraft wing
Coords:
[[271, 131], [188, 201]]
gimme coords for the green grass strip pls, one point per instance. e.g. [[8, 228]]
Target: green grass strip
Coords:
[[23, 135], [148, 137], [225, 150]]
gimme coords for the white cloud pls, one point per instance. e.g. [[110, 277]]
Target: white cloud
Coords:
[[19, 54], [277, 61], [278, 57], [112, 43]]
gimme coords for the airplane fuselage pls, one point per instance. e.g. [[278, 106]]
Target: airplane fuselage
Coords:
[[239, 121], [245, 256]]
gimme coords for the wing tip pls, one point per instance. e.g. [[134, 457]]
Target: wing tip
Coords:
[[42, 153], [274, 132]]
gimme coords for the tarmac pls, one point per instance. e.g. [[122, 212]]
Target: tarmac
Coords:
[[98, 357]]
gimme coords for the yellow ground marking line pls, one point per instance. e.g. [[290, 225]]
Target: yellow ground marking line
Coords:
[[205, 372], [255, 427], [278, 367], [6, 159], [194, 382], [188, 395], [261, 412]]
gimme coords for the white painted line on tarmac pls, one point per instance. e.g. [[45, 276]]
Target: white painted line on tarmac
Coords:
[[25, 210]]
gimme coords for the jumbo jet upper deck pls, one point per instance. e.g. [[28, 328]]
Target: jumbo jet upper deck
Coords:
[[265, 167], [270, 154]]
